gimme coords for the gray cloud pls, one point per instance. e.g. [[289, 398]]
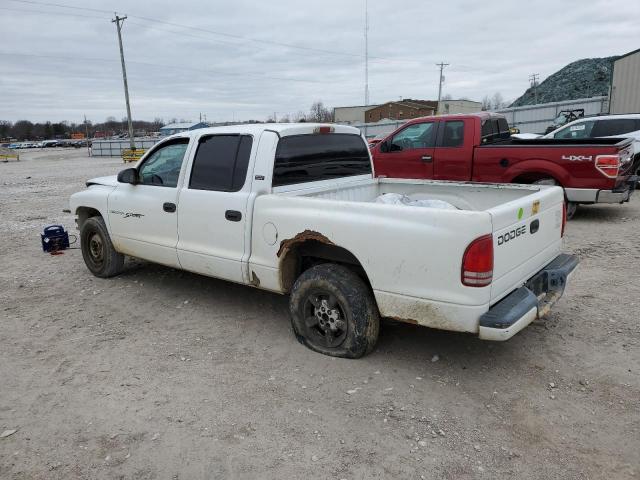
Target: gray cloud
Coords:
[[59, 64]]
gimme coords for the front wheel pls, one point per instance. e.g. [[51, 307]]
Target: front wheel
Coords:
[[334, 312], [97, 250]]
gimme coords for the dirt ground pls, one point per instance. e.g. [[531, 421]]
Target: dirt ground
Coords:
[[164, 374]]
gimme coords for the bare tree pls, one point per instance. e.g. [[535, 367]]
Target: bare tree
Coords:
[[497, 101], [319, 113], [447, 96], [486, 103]]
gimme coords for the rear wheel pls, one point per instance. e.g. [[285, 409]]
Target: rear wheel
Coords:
[[333, 312], [97, 250], [570, 206]]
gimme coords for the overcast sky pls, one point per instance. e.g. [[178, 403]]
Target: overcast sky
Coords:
[[242, 59]]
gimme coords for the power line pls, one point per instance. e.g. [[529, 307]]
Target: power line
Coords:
[[60, 5], [395, 60], [163, 66]]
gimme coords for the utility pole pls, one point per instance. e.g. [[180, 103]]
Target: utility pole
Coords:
[[533, 78], [441, 65], [118, 20], [86, 129], [366, 52]]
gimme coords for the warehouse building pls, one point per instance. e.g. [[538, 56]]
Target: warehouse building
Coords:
[[404, 109], [349, 115], [624, 96]]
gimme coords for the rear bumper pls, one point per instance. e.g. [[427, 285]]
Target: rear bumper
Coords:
[[590, 195], [531, 301]]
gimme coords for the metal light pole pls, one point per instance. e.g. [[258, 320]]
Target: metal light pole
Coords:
[[118, 21], [366, 52]]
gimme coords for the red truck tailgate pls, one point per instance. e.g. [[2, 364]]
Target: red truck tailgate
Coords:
[[527, 235]]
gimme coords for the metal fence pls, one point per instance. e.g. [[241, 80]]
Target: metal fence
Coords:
[[114, 148], [371, 130], [536, 118]]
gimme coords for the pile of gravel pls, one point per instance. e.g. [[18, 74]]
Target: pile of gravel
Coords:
[[589, 77]]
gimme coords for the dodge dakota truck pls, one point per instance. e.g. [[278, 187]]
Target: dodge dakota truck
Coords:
[[294, 209], [478, 147]]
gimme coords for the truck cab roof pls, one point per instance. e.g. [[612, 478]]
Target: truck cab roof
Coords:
[[281, 129]]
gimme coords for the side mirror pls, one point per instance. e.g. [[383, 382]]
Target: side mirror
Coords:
[[384, 147], [129, 175]]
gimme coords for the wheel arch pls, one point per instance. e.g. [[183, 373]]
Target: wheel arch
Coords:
[[532, 170], [312, 248], [84, 213]]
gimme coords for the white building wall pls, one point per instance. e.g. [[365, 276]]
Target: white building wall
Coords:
[[349, 115], [446, 107], [625, 85]]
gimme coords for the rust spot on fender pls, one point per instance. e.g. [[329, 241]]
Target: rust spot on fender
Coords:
[[286, 245]]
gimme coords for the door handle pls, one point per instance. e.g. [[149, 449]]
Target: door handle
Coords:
[[427, 158], [233, 215], [169, 207]]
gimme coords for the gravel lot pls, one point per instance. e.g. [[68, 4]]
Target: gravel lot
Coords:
[[164, 374]]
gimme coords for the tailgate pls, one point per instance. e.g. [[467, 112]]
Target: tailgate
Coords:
[[526, 237]]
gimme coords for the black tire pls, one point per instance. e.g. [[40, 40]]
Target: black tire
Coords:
[[97, 250], [571, 207], [333, 312]]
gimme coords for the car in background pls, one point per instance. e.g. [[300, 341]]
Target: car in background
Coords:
[[603, 126]]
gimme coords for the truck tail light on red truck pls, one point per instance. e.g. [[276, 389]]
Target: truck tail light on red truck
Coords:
[[477, 262], [608, 165]]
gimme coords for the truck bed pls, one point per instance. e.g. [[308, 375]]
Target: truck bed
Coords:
[[470, 196], [498, 210]]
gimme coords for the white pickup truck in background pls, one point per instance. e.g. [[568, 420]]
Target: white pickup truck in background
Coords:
[[295, 209]]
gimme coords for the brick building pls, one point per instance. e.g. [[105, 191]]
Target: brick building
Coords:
[[401, 110]]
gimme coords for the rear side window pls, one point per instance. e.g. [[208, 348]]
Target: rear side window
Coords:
[[221, 163], [310, 158], [453, 135], [610, 128]]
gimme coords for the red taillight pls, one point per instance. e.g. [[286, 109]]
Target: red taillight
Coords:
[[608, 165], [564, 218], [477, 263], [324, 129]]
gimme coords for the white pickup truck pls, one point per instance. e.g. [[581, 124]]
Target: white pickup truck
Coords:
[[295, 209]]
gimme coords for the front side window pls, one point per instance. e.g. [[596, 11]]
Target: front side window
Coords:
[[221, 162], [418, 135], [577, 130], [162, 167], [453, 135]]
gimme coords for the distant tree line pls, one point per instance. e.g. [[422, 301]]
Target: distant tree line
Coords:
[[26, 130]]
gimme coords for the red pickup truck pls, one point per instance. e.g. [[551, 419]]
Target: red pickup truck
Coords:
[[478, 147]]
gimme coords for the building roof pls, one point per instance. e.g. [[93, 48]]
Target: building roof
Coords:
[[626, 55], [181, 125]]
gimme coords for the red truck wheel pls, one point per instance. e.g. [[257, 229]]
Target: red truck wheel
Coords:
[[571, 206]]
